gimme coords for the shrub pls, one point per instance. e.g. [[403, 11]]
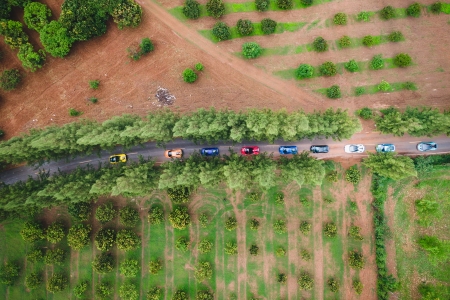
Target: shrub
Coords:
[[55, 256], [328, 69], [94, 84], [262, 5], [279, 199], [231, 223], [357, 286], [344, 42], [74, 113], [428, 210], [80, 289], [395, 36], [9, 273], [103, 263], [332, 176], [436, 249], [93, 100], [387, 13], [191, 9], [351, 66], [304, 71], [353, 174], [244, 27], [330, 229], [353, 206], [285, 4], [384, 86], [129, 267], [35, 255], [154, 293], [32, 231], [105, 238], [306, 2], [180, 295], [355, 233], [203, 271], [205, 246], [402, 60], [203, 219], [413, 10], [305, 282], [105, 212], [10, 79], [304, 254], [320, 44], [179, 218], [340, 19], [305, 201], [182, 244], [155, 266], [436, 8], [377, 62], [103, 291], [215, 8], [368, 41], [305, 227], [328, 200], [363, 16], [334, 92], [179, 194], [360, 91], [221, 31], [254, 197], [279, 226], [204, 295], [199, 67], [57, 283], [268, 26], [365, 113], [78, 236], [128, 216], [282, 278], [356, 260], [254, 224], [155, 215], [280, 252], [127, 240], [146, 46], [410, 86], [251, 50], [333, 284], [231, 248], [254, 250], [128, 291], [80, 210]]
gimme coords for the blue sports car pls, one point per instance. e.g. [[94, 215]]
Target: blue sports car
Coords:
[[209, 151], [288, 150], [385, 148]]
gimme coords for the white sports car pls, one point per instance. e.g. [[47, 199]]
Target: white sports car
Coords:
[[354, 148]]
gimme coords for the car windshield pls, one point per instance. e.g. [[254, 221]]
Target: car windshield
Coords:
[[353, 148], [114, 159], [249, 150]]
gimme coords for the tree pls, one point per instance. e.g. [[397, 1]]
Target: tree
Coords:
[[334, 92], [80, 210], [305, 227], [221, 31], [436, 7], [351, 66], [204, 295], [280, 252], [355, 232], [231, 248], [182, 244], [353, 174], [10, 79], [231, 223], [103, 263], [377, 62], [281, 278], [244, 27], [56, 39], [205, 246], [254, 224], [268, 26], [128, 216], [330, 229], [138, 179], [105, 238], [55, 256], [254, 249], [13, 33], [189, 75], [320, 44], [413, 10], [303, 169], [384, 86], [128, 291], [328, 69], [203, 271], [262, 5], [345, 41], [387, 13], [215, 8], [129, 267], [35, 255], [333, 284], [155, 266], [285, 4], [33, 280], [179, 218], [155, 215], [127, 240], [9, 273], [126, 14], [180, 295], [103, 291], [306, 3], [36, 15], [396, 36], [304, 71], [191, 9], [57, 283], [340, 19], [31, 59], [280, 226], [305, 281], [5, 10], [32, 231], [357, 286], [154, 293], [105, 212], [80, 289], [356, 260], [402, 60], [55, 232], [78, 236], [390, 165]]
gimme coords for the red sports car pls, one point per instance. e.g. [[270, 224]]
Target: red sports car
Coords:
[[250, 150]]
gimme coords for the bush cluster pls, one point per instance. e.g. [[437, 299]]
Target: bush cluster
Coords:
[[105, 212], [282, 278], [127, 240], [129, 267], [103, 263], [357, 286], [334, 92], [203, 271], [268, 26], [128, 216], [179, 194]]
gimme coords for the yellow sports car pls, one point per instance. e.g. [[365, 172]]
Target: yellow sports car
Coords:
[[174, 153], [118, 158]]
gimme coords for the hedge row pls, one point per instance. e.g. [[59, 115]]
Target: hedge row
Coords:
[[163, 126]]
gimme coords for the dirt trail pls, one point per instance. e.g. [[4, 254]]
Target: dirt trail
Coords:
[[318, 246], [293, 251]]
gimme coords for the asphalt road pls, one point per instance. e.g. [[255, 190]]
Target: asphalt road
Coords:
[[405, 145]]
